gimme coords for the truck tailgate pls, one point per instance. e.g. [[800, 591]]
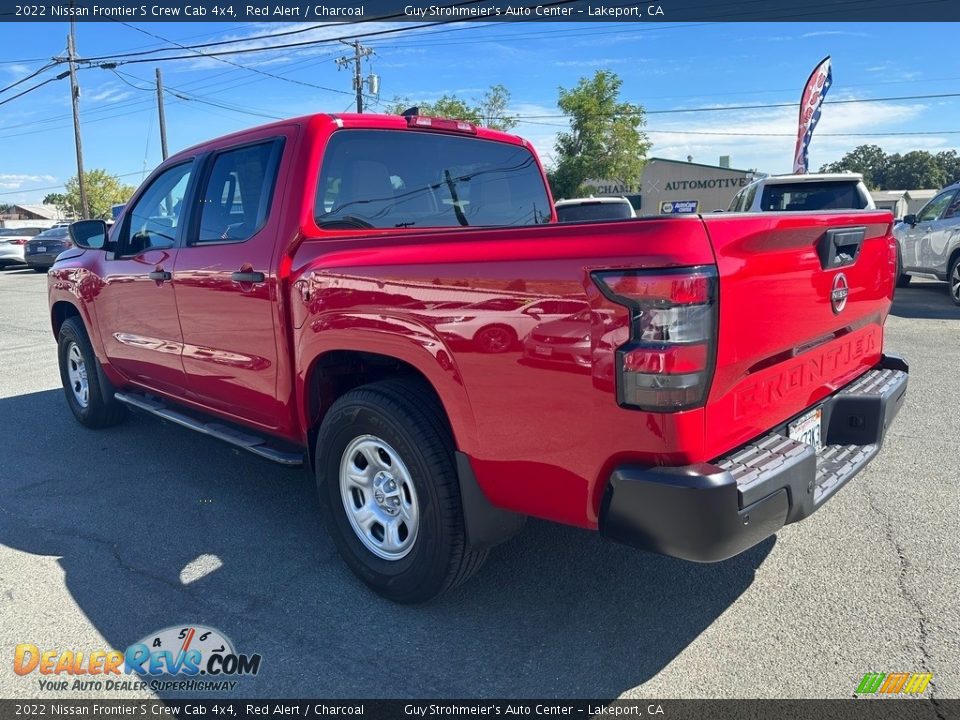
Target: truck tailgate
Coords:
[[786, 340]]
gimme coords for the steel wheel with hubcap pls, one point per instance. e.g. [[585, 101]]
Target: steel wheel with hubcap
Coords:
[[88, 392], [387, 476], [379, 497], [77, 372]]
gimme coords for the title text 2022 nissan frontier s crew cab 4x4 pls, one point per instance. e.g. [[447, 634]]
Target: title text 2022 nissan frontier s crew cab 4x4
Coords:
[[378, 297]]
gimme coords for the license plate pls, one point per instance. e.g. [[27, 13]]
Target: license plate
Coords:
[[807, 428], [39, 249], [545, 351]]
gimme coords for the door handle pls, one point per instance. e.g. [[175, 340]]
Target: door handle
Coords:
[[159, 275], [247, 277]]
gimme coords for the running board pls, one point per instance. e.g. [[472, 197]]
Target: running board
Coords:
[[253, 443]]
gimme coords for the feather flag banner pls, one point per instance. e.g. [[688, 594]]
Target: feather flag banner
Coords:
[[813, 93]]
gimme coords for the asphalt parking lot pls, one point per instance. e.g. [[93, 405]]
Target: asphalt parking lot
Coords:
[[108, 536]]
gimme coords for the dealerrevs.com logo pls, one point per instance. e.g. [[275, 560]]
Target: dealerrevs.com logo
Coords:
[[185, 658]]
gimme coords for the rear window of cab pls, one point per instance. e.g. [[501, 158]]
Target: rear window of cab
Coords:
[[416, 179]]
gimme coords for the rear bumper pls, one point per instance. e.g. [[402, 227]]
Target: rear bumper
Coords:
[[712, 511]]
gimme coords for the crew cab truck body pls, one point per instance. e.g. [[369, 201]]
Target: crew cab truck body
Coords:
[[291, 289]]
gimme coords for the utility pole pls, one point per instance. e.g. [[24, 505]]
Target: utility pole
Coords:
[[359, 52], [163, 120], [75, 95]]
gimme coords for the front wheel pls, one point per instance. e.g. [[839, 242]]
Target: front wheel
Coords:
[[902, 278], [954, 280], [89, 401], [385, 469]]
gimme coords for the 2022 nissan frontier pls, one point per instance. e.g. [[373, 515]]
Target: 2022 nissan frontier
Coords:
[[391, 301]]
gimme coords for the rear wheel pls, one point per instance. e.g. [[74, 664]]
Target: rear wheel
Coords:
[[954, 280], [385, 469], [88, 401], [495, 339], [902, 278]]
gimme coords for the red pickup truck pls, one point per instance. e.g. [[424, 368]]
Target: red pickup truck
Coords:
[[390, 301]]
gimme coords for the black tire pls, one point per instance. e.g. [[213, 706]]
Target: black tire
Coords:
[[953, 281], [101, 410], [902, 279], [408, 417], [495, 339]]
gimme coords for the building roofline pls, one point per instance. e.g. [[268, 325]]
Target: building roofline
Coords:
[[714, 167]]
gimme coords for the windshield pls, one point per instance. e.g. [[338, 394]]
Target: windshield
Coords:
[[54, 233], [19, 232], [398, 179], [813, 196], [582, 212]]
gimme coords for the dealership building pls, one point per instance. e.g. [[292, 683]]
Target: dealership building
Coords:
[[674, 186]]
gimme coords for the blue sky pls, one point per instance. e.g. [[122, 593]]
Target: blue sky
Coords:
[[663, 66]]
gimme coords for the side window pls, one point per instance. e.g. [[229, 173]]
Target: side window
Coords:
[[238, 192], [152, 222], [737, 204], [954, 210], [936, 206]]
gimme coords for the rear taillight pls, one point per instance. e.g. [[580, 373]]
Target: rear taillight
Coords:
[[420, 121], [19, 241], [668, 362]]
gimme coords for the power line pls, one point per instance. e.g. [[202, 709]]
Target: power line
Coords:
[[121, 61], [267, 36], [230, 62], [57, 187], [28, 77], [61, 76]]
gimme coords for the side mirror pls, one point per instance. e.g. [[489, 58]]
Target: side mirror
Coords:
[[89, 234], [534, 311], [910, 219]]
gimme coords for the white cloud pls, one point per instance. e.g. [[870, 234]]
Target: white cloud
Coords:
[[599, 62], [110, 92], [17, 70], [828, 33], [14, 181], [771, 148]]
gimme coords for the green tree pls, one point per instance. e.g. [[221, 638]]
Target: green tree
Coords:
[[605, 140], [103, 191], [949, 163], [58, 199], [913, 170], [493, 109], [489, 111], [868, 160]]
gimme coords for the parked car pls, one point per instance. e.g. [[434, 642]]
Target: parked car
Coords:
[[929, 242], [813, 191], [594, 208], [267, 288], [41, 251], [497, 324], [12, 242]]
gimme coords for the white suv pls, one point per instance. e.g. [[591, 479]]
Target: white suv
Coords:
[[594, 208], [814, 191]]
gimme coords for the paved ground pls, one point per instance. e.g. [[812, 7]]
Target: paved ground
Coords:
[[106, 536]]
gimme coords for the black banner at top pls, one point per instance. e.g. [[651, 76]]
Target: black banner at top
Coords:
[[349, 11]]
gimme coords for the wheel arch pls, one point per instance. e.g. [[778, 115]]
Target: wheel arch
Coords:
[[336, 371]]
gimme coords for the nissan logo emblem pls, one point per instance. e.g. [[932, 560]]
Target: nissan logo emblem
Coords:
[[839, 292]]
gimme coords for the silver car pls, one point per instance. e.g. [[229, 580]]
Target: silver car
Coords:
[[929, 242]]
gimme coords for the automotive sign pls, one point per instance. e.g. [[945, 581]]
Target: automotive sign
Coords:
[[678, 206]]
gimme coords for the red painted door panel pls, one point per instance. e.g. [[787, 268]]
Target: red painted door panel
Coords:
[[136, 305], [138, 321], [226, 286]]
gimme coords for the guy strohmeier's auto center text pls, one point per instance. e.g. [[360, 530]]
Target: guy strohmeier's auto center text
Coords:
[[258, 11]]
